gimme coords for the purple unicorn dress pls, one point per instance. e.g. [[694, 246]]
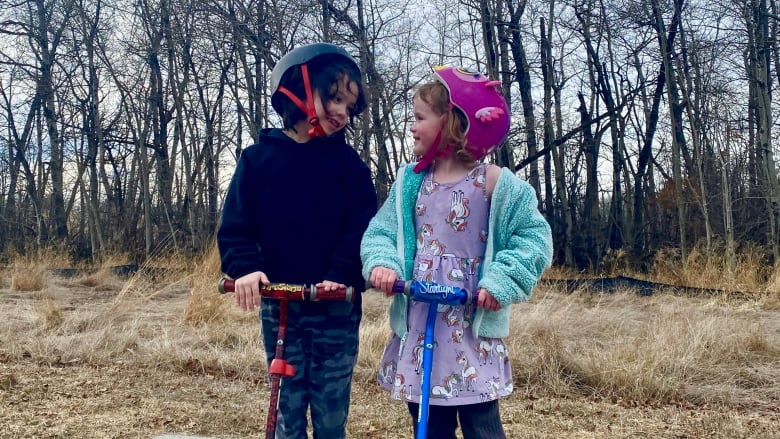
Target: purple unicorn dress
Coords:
[[451, 223]]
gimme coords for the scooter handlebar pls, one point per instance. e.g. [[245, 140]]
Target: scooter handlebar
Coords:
[[311, 293], [432, 292]]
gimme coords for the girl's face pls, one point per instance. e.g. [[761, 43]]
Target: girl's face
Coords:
[[427, 125], [334, 113]]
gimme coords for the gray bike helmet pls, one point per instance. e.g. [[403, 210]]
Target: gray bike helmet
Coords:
[[300, 56]]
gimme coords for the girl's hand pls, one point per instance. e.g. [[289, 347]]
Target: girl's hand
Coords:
[[487, 301], [383, 278], [247, 290]]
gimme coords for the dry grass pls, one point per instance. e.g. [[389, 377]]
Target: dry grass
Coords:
[[29, 274], [708, 268], [97, 356]]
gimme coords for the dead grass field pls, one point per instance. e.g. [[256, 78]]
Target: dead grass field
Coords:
[[96, 356]]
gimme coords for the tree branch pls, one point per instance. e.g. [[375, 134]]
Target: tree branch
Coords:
[[566, 137]]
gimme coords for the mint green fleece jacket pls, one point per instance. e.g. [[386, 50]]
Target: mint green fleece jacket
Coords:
[[519, 247]]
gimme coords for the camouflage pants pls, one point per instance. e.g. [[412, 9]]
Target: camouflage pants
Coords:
[[322, 344]]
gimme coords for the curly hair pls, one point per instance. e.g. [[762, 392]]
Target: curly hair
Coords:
[[325, 71], [453, 133]]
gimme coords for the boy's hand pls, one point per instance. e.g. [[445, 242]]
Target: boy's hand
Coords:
[[487, 301], [330, 285], [383, 279], [247, 290]]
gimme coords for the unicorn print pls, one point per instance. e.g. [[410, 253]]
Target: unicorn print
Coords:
[[479, 181], [398, 385], [428, 187], [477, 177], [457, 335], [473, 174], [425, 232], [499, 350], [456, 275], [459, 211], [448, 389], [449, 316], [468, 372], [425, 265], [436, 247], [417, 353], [492, 393], [387, 372], [485, 350], [469, 266]]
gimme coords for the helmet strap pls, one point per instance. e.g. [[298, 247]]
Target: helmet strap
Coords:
[[307, 107], [432, 154]]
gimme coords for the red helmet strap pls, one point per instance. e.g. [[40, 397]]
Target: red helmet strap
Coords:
[[308, 106]]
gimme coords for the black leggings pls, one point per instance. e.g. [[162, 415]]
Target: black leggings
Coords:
[[477, 421]]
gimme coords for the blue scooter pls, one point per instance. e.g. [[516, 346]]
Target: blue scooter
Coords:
[[433, 294]]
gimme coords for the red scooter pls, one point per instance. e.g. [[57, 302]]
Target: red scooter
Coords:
[[280, 368]]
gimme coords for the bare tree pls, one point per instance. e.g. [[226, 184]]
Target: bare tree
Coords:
[[603, 86], [562, 221], [759, 83], [523, 77], [678, 137]]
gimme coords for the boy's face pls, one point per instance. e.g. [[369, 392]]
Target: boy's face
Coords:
[[334, 114], [427, 125]]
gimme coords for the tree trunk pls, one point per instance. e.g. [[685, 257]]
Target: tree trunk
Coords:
[[691, 96], [604, 90], [561, 222], [504, 155], [591, 216], [94, 132], [523, 78], [48, 49], [760, 56], [675, 110]]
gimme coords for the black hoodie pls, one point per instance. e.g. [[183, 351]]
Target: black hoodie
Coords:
[[297, 211]]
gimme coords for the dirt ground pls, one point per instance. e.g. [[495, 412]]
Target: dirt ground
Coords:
[[80, 401], [129, 393]]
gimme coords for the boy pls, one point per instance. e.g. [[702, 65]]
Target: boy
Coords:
[[295, 212]]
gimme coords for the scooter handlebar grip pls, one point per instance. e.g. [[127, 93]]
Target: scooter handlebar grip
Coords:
[[340, 294], [226, 285], [401, 286]]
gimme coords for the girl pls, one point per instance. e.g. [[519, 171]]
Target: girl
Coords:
[[455, 220], [296, 209]]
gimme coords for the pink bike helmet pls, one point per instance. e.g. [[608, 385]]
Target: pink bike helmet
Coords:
[[480, 99]]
